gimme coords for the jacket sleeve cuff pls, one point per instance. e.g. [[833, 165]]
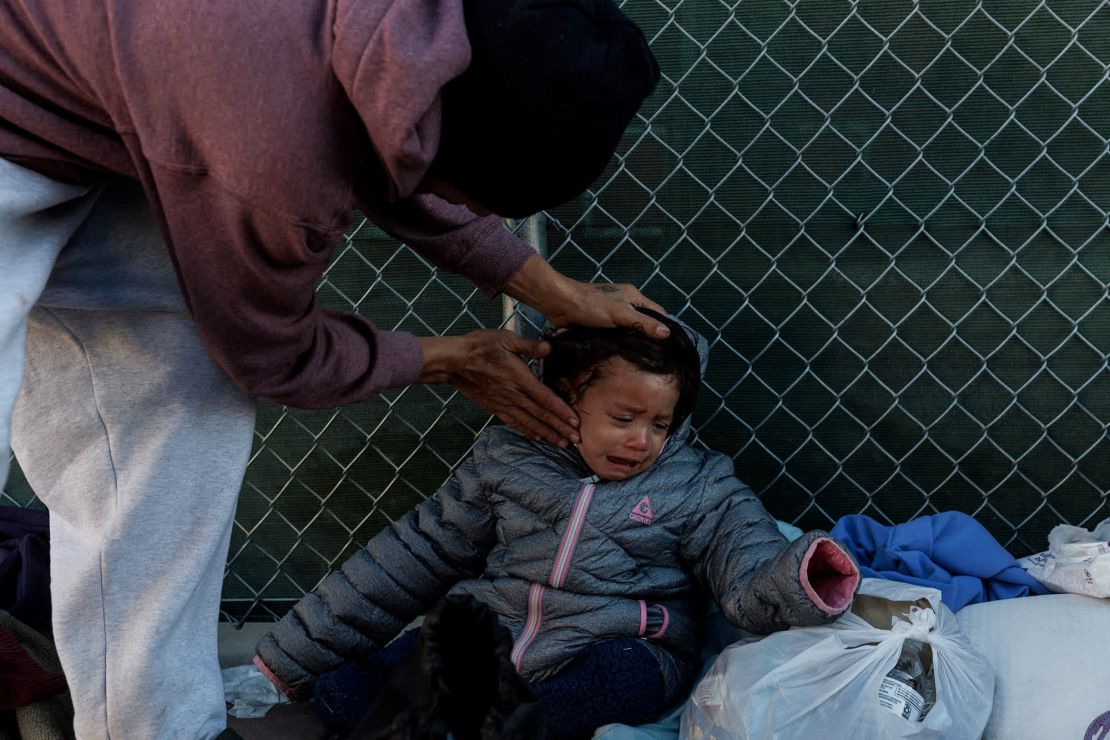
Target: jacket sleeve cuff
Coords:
[[293, 682], [277, 682], [829, 576]]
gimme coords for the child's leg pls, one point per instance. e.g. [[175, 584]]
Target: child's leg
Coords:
[[344, 695], [613, 681]]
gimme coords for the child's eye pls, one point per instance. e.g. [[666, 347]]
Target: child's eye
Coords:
[[661, 426], [622, 419]]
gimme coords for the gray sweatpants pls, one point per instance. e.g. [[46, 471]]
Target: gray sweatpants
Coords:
[[135, 441]]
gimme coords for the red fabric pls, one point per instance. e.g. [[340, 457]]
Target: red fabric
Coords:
[[277, 682], [22, 679]]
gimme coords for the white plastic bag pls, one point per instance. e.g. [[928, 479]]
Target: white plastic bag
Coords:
[[1077, 561], [250, 694], [826, 681]]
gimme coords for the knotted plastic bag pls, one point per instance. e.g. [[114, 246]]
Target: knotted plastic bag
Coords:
[[826, 681], [1077, 561]]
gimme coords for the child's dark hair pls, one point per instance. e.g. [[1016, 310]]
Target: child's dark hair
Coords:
[[577, 353]]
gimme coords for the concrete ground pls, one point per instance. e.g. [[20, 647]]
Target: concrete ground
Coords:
[[283, 722]]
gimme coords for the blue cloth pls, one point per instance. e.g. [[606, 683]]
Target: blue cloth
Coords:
[[950, 552]]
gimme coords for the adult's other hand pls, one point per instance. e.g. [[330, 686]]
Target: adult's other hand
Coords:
[[486, 367]]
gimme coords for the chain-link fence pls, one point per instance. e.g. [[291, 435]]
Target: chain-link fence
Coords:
[[890, 219]]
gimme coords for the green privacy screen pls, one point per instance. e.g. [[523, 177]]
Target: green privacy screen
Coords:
[[888, 217]]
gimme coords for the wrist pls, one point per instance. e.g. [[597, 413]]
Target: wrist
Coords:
[[442, 356], [541, 286]]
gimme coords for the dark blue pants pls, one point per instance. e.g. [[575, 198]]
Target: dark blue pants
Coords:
[[613, 681]]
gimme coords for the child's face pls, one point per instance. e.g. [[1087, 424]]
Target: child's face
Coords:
[[625, 416]]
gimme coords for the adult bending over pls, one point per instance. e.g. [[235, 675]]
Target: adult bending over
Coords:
[[173, 177]]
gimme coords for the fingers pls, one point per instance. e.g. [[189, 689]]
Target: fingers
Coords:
[[649, 326], [640, 300], [608, 304], [633, 318], [533, 350], [530, 427], [545, 415], [535, 427], [498, 380], [540, 402], [527, 426]]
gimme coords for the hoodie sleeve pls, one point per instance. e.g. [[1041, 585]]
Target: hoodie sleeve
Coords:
[[249, 277], [761, 582], [399, 575], [454, 239]]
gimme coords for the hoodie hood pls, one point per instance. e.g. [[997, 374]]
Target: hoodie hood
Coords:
[[393, 59]]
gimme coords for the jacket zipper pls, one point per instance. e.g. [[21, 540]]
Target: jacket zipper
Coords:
[[560, 569]]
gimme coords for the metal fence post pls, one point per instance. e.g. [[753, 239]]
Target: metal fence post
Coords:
[[518, 317]]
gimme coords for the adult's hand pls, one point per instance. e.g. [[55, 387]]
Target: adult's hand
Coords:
[[565, 301], [487, 368]]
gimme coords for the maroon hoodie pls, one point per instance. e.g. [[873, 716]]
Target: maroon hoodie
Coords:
[[256, 127]]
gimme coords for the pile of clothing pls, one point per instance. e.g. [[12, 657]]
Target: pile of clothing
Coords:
[[1047, 653]]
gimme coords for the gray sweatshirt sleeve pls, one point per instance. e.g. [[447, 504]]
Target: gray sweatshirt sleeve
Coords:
[[399, 575], [762, 582]]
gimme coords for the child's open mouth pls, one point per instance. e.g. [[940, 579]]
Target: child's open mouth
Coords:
[[623, 463]]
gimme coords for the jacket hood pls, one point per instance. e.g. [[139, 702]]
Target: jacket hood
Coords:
[[393, 58], [680, 435], [683, 433]]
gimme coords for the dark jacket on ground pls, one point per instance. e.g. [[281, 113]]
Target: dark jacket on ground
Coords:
[[25, 565], [564, 561], [256, 127]]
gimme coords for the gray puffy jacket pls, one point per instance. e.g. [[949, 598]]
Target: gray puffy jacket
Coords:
[[567, 561]]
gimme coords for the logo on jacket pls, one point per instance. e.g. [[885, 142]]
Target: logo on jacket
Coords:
[[641, 512], [1099, 729]]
